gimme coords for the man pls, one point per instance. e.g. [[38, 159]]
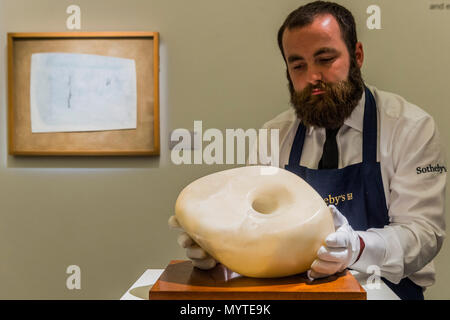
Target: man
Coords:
[[373, 156]]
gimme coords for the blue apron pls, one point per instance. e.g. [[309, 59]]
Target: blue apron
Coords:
[[357, 190]]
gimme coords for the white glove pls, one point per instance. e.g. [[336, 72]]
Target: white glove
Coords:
[[199, 257], [341, 249]]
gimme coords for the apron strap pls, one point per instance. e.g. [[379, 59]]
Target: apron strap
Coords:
[[370, 128]]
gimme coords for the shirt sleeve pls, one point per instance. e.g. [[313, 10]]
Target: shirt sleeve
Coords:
[[416, 229]]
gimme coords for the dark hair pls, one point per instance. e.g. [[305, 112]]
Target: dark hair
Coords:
[[305, 15]]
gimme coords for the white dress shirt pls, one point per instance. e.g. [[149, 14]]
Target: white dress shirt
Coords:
[[413, 171]]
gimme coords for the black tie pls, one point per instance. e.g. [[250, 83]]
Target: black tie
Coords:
[[330, 154]]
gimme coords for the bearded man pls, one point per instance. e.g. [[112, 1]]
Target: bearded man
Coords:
[[363, 151]]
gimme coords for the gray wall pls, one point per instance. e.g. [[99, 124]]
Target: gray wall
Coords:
[[220, 64]]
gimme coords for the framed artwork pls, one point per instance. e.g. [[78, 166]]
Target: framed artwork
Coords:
[[83, 93]]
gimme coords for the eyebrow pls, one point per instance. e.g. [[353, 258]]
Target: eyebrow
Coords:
[[323, 50]]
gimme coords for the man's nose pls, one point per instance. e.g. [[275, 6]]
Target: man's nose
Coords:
[[314, 76]]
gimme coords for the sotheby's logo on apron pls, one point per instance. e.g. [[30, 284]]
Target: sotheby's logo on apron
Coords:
[[335, 200]]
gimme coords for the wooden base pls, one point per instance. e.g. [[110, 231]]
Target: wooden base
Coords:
[[181, 281]]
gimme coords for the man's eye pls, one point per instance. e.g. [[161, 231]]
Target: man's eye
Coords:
[[325, 60], [299, 67]]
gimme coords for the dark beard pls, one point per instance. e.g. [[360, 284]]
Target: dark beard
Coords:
[[330, 109]]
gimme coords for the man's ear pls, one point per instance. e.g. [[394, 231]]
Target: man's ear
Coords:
[[359, 54]]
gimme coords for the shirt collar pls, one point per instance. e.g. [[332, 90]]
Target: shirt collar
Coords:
[[355, 120]]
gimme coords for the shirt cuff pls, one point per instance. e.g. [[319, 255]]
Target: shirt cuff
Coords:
[[377, 255], [373, 253]]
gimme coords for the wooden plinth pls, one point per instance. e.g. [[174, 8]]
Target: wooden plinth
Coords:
[[181, 281]]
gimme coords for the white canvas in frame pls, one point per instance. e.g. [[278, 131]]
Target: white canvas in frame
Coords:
[[82, 92]]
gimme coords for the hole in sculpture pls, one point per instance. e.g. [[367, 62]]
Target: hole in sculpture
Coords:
[[265, 205], [267, 201]]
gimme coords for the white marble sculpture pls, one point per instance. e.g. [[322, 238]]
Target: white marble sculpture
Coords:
[[256, 222]]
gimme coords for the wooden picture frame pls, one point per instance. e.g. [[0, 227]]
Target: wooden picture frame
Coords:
[[142, 47]]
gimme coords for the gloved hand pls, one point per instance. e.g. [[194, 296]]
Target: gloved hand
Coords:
[[199, 257], [341, 250]]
